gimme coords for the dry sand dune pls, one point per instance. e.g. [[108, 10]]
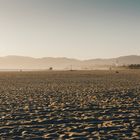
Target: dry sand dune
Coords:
[[70, 105]]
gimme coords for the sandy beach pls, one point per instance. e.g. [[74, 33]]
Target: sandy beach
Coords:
[[70, 105]]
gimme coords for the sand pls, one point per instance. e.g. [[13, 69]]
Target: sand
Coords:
[[70, 105]]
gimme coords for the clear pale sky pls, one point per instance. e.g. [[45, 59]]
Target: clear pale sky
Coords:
[[70, 28]]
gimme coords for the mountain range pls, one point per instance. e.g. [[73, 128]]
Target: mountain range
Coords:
[[62, 63]]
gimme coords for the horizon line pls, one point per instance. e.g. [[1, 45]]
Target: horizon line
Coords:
[[67, 57]]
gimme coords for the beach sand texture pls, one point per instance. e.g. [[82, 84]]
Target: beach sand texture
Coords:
[[70, 105]]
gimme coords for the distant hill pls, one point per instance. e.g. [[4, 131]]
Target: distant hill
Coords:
[[21, 62]]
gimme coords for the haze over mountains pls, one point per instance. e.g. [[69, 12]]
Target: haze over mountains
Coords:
[[21, 62]]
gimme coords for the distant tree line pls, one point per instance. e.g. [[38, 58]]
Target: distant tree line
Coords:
[[134, 66]]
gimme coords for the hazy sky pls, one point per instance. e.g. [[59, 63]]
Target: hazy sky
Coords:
[[70, 28]]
